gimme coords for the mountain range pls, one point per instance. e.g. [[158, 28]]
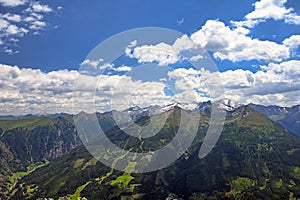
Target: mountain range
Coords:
[[256, 157]]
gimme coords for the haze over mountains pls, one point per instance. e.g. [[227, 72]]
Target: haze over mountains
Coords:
[[254, 158], [288, 117]]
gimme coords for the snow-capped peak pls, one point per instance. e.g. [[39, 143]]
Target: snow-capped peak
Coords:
[[228, 105], [185, 106]]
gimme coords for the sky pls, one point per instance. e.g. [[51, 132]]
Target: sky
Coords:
[[44, 46]]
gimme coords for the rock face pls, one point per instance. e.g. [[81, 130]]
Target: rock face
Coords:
[[48, 139], [255, 158], [33, 140]]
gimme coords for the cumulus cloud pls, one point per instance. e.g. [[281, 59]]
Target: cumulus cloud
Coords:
[[12, 3], [12, 17], [232, 44], [292, 18], [269, 9], [162, 53], [33, 91], [274, 84], [25, 90], [265, 9], [274, 80], [8, 29], [235, 45], [93, 63], [123, 69], [29, 20], [3, 24], [37, 25], [37, 7], [154, 53], [186, 78], [13, 30], [292, 42]]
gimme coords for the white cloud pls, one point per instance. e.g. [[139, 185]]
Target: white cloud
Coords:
[[232, 44], [29, 19], [37, 25], [196, 58], [37, 16], [202, 84], [270, 85], [106, 66], [247, 23], [190, 97], [15, 30], [37, 7], [269, 9], [12, 29], [7, 29], [33, 91], [265, 9], [162, 53], [275, 79], [276, 84], [12, 3], [3, 24], [123, 69], [93, 63], [16, 25], [10, 51], [235, 45], [292, 42], [12, 17], [28, 90], [100, 65], [186, 79], [158, 53], [292, 18]]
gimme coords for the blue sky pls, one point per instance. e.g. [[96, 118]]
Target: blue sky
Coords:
[[81, 26], [57, 35]]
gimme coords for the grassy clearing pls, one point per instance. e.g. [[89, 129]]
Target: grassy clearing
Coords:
[[122, 181], [13, 178], [77, 194]]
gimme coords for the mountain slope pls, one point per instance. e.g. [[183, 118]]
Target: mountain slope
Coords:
[[288, 117], [26, 143], [255, 158], [32, 140], [29, 142]]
